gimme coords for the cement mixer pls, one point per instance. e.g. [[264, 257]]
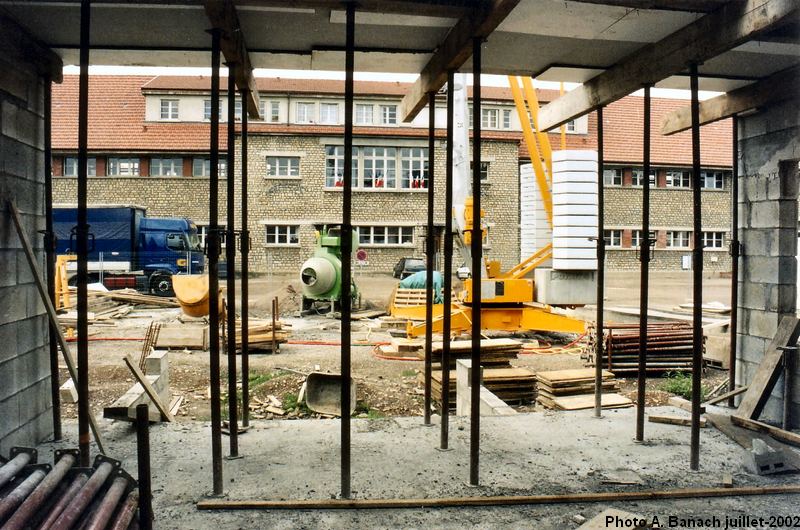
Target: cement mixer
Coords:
[[321, 274]]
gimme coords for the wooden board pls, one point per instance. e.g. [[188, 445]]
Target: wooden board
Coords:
[[486, 345], [776, 432], [586, 401], [183, 337], [569, 377], [674, 420], [769, 369], [148, 388], [745, 437], [726, 395]]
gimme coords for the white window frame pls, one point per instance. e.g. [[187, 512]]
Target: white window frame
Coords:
[[637, 177], [381, 235], [169, 110], [363, 114], [413, 168], [613, 238], [281, 235], [388, 114], [207, 110], [237, 109], [713, 240], [506, 118], [398, 167], [485, 165], [304, 112], [684, 177], [570, 126], [71, 166], [329, 113], [123, 167], [205, 169], [490, 118], [636, 238], [718, 177], [283, 167], [379, 167], [274, 112], [615, 174], [202, 234], [679, 239], [166, 167]]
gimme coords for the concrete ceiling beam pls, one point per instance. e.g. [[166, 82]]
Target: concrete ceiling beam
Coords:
[[696, 6], [15, 39], [731, 25]]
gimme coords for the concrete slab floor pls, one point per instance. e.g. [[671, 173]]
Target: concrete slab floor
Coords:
[[536, 453]]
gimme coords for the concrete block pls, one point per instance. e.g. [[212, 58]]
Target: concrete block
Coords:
[[68, 392], [8, 342], [782, 299], [763, 459], [751, 349], [763, 324], [32, 333], [8, 262], [9, 411], [754, 295], [557, 287], [157, 363], [22, 125], [35, 399], [463, 385], [784, 242], [14, 306], [765, 215], [754, 189], [756, 242], [762, 269]]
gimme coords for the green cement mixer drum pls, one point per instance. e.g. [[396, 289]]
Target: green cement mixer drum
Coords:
[[321, 274]]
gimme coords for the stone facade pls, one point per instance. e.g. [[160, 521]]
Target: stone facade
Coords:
[[25, 404], [768, 213]]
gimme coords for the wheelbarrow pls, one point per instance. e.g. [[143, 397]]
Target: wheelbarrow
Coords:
[[324, 393]]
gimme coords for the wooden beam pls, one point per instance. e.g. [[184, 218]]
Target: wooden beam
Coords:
[[222, 15], [776, 432], [151, 392], [777, 87], [731, 25], [696, 6], [453, 52]]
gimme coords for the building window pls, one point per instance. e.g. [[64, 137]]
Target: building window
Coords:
[[379, 167], [207, 109], [237, 109], [678, 239], [612, 176], [712, 180], [636, 238], [123, 167], [169, 109], [637, 178], [334, 166], [389, 114], [283, 166], [71, 166], [363, 114], [304, 112], [713, 239], [166, 167], [484, 170], [329, 113], [202, 235], [385, 235], [570, 126], [414, 168], [490, 118], [679, 179], [201, 167], [506, 118], [274, 112], [612, 238], [282, 234]]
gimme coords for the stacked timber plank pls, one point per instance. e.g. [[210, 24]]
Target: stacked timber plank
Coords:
[[515, 386], [669, 348], [494, 352], [131, 296], [261, 336], [574, 390]]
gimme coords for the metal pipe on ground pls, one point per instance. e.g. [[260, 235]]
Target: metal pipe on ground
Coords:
[[42, 492], [13, 466], [145, 498], [16, 497], [601, 273], [697, 278], [477, 270], [448, 268], [245, 253], [126, 512], [644, 258], [102, 516], [230, 259], [74, 510], [431, 256], [75, 486]]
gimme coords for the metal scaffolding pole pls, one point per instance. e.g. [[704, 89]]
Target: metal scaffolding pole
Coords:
[[50, 254], [213, 270], [347, 247], [601, 272], [82, 236], [644, 280], [430, 254], [735, 252], [245, 281], [448, 268], [477, 269], [230, 262], [697, 269]]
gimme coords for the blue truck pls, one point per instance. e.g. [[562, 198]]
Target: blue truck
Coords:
[[127, 249]]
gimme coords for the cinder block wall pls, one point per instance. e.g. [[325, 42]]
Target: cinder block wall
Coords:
[[25, 406], [769, 144]]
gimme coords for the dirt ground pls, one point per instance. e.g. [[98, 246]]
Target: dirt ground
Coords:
[[384, 387]]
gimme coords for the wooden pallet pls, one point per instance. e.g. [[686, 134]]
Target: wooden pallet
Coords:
[[512, 385]]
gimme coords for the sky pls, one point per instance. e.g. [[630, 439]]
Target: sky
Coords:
[[486, 80]]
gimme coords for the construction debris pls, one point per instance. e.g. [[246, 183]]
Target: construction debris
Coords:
[[262, 335], [674, 420], [763, 459], [156, 374], [574, 390]]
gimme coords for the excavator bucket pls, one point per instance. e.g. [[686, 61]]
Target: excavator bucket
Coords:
[[191, 290]]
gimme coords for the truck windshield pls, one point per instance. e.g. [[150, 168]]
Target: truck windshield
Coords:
[[194, 241], [176, 242]]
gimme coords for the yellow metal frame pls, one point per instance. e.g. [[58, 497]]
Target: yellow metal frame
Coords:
[[63, 299]]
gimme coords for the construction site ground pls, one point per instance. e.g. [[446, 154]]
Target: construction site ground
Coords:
[[537, 452]]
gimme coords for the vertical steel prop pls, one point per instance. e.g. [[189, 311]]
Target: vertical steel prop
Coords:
[[347, 247], [430, 254], [50, 253], [735, 252], [230, 262], [448, 268], [697, 269], [213, 271], [477, 269], [244, 251], [601, 272], [644, 280], [82, 235], [143, 464]]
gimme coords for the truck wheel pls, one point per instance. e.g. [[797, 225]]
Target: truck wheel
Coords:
[[161, 285]]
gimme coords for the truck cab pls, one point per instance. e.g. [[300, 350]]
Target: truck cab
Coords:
[[168, 246]]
